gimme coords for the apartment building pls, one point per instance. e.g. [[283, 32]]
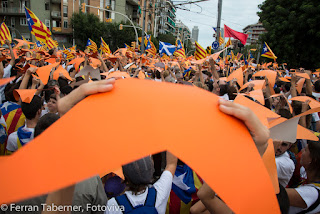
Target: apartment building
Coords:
[[254, 31]]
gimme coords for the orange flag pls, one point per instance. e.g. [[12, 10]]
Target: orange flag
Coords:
[[49, 173], [26, 95]]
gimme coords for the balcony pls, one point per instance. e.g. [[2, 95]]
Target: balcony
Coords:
[[56, 1], [56, 29], [12, 11], [56, 14]]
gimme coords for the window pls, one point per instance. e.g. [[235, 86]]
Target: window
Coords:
[[65, 24], [13, 21], [5, 4], [23, 3], [65, 11], [23, 21], [47, 22], [46, 6]]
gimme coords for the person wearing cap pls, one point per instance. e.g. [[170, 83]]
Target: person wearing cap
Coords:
[[139, 176]]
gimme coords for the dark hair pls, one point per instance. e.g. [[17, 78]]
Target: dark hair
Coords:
[[277, 90], [287, 86], [62, 82], [314, 148], [285, 113], [51, 51], [30, 109], [283, 200], [66, 89], [158, 76], [223, 89], [44, 122], [317, 86]]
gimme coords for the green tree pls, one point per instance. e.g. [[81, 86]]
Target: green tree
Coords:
[[169, 38], [89, 26], [293, 31]]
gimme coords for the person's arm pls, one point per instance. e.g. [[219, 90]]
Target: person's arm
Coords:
[[211, 201], [303, 119], [25, 79], [41, 86], [199, 208], [62, 197], [258, 131], [162, 77], [295, 198], [308, 83], [172, 74], [11, 53], [172, 162], [67, 102], [105, 69], [213, 69], [293, 89]]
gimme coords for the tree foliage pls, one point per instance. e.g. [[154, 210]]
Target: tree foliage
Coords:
[[89, 26], [293, 31]]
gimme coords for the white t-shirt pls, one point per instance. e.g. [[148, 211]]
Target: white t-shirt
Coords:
[[12, 144], [163, 188], [309, 194], [225, 96], [316, 95], [285, 168], [6, 74]]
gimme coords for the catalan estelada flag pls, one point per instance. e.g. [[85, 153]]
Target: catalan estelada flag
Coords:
[[4, 33], [92, 45], [150, 48], [104, 47], [36, 27], [67, 53], [13, 116], [267, 52], [200, 52], [184, 190], [180, 52]]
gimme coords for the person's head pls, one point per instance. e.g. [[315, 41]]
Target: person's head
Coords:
[[138, 174], [280, 147], [179, 77], [52, 104], [44, 122], [310, 158], [317, 86], [220, 87], [33, 109]]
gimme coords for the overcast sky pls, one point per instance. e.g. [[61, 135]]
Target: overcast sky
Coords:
[[236, 14]]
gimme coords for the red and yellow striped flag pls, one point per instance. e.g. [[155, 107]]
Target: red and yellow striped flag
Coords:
[[228, 43], [104, 47], [200, 52], [4, 33], [221, 40], [36, 27], [51, 43]]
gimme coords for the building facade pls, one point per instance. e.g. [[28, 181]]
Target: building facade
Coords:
[[165, 18], [254, 31], [182, 32], [195, 33]]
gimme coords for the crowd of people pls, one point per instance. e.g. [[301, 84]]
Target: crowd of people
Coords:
[[161, 183]]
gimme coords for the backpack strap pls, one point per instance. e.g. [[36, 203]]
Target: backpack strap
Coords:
[[151, 197], [123, 200], [314, 205]]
